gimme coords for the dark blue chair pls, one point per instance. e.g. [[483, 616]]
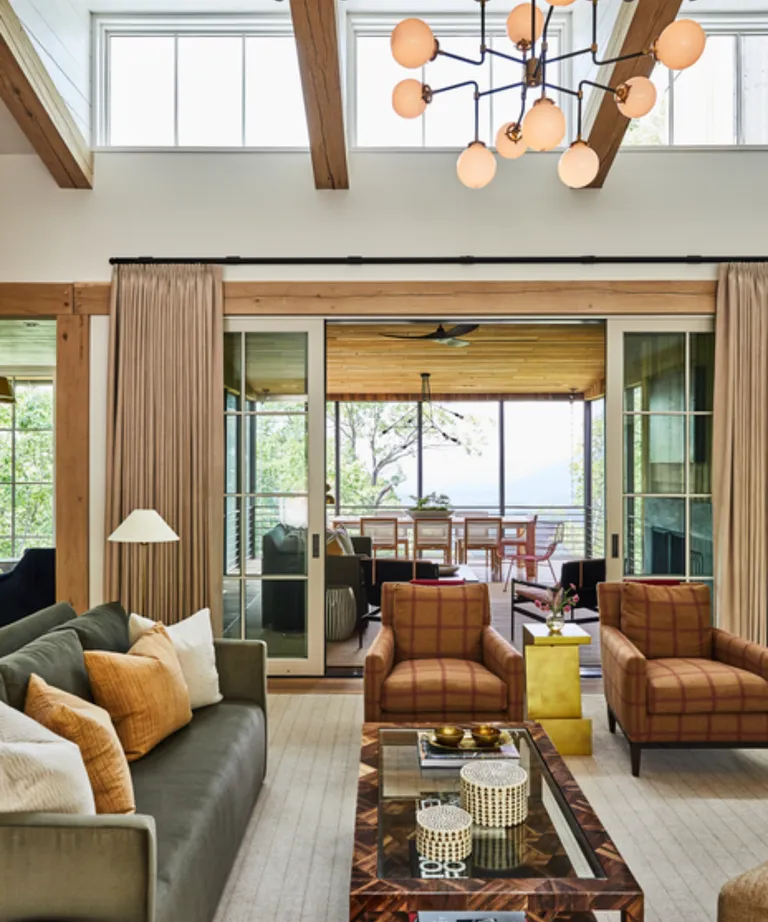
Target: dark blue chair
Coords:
[[29, 586]]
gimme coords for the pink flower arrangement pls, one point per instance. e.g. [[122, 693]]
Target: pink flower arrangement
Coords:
[[559, 601]]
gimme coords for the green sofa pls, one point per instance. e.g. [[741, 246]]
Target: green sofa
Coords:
[[195, 793]]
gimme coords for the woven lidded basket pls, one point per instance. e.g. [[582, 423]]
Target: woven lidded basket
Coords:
[[495, 793], [444, 833]]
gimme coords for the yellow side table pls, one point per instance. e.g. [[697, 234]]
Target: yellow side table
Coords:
[[553, 686]]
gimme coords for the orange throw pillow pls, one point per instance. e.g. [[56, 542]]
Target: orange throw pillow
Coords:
[[90, 728], [668, 621], [143, 690]]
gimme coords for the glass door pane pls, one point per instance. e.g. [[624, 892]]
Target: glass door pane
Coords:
[[659, 410], [272, 409]]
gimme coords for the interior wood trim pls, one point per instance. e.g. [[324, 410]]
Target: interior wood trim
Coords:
[[317, 45], [32, 98], [91, 298], [607, 131], [73, 358], [35, 300], [469, 299], [444, 299]]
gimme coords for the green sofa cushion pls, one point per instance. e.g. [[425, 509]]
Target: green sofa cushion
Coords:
[[200, 786], [57, 658], [104, 627], [14, 636]]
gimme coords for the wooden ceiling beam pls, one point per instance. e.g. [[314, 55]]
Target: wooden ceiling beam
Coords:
[[317, 44], [29, 93], [608, 127]]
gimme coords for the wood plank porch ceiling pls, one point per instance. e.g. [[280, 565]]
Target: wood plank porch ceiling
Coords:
[[503, 359]]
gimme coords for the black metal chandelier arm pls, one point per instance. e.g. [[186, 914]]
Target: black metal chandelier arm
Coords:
[[564, 89], [458, 57], [523, 99], [570, 54], [507, 57], [622, 57], [501, 89], [455, 86], [594, 48], [597, 86]]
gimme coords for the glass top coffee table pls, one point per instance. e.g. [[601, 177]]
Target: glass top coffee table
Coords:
[[560, 864]]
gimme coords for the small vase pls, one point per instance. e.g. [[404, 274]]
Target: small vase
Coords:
[[555, 622]]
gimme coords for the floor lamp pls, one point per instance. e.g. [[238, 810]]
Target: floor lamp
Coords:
[[144, 527]]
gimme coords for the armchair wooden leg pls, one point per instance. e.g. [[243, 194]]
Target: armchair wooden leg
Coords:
[[611, 721], [635, 752]]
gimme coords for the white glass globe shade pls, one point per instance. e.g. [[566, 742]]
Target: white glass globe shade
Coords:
[[412, 43], [506, 145], [519, 25], [681, 44], [544, 125], [578, 166], [640, 97], [476, 166], [408, 98]]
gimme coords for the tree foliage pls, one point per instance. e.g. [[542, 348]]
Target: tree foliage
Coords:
[[26, 473]]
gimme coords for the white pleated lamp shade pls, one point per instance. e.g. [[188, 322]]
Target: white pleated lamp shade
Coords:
[[143, 526]]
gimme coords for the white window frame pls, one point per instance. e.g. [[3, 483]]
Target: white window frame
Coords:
[[743, 24], [107, 26], [444, 26]]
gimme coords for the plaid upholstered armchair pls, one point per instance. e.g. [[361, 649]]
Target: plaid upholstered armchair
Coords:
[[438, 658], [673, 680]]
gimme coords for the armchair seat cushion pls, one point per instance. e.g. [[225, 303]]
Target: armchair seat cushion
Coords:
[[442, 685], [703, 686]]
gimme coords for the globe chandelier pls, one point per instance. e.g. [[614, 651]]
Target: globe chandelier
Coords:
[[543, 127]]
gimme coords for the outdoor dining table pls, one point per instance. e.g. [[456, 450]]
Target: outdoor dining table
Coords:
[[524, 526]]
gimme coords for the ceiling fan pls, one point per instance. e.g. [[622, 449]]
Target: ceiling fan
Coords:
[[449, 337]]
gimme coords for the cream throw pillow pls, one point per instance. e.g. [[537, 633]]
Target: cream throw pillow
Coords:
[[193, 642], [39, 771]]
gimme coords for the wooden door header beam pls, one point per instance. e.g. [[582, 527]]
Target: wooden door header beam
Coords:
[[29, 93], [650, 19], [317, 44], [443, 299]]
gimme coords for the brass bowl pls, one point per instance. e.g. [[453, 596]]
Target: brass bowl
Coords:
[[449, 736], [486, 736]]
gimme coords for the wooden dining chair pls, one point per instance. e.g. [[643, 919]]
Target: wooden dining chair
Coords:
[[433, 535], [484, 534], [382, 530]]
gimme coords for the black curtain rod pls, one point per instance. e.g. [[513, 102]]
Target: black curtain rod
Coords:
[[434, 260]]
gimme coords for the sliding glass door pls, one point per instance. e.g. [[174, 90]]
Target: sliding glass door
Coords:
[[274, 489], [660, 386]]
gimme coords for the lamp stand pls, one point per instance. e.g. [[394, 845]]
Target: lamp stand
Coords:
[[143, 563]]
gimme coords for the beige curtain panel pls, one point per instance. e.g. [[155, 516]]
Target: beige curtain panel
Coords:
[[740, 451], [165, 439]]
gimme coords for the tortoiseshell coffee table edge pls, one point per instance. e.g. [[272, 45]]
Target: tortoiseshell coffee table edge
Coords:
[[375, 900]]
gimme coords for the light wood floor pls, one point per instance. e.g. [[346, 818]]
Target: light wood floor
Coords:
[[691, 821]]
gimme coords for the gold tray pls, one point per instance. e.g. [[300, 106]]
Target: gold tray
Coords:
[[469, 745]]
